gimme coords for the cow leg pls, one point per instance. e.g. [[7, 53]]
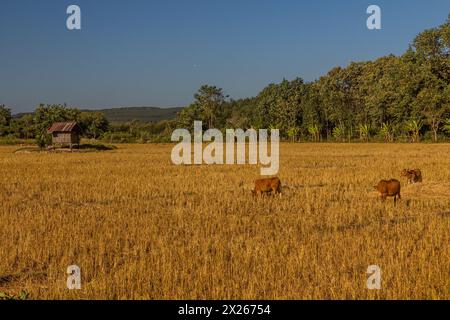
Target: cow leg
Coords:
[[277, 191]]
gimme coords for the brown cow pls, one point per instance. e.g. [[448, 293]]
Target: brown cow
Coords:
[[389, 188], [267, 185], [412, 175]]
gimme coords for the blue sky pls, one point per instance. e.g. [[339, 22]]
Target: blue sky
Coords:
[[158, 53]]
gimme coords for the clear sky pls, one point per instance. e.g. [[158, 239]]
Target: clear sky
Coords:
[[158, 53]]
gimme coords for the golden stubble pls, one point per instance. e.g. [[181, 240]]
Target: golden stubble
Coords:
[[140, 227]]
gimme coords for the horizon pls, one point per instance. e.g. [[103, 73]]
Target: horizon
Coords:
[[158, 54], [93, 109]]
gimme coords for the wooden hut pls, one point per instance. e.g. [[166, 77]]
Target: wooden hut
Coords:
[[65, 133]]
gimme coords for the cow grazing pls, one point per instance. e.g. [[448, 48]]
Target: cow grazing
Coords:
[[412, 175], [268, 185], [389, 188]]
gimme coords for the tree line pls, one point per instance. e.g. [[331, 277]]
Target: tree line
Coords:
[[403, 97], [93, 125], [35, 126], [393, 98]]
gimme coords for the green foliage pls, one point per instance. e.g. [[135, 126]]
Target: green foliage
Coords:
[[93, 124], [46, 115], [188, 115], [5, 119], [339, 133], [413, 127], [279, 106], [9, 140], [293, 133], [352, 102], [5, 115], [387, 131], [394, 96], [314, 131], [446, 126], [364, 132], [119, 137], [210, 101], [210, 107], [23, 127], [137, 132]]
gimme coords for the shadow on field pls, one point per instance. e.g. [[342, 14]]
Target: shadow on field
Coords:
[[81, 148], [97, 147]]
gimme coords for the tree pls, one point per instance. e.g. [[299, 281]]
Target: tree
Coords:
[[210, 99], [410, 92], [187, 116], [5, 119], [23, 127], [446, 126], [46, 115], [433, 49], [434, 107], [93, 124], [242, 113], [280, 106]]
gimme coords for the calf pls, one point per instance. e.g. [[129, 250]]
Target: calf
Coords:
[[267, 185], [412, 175], [389, 188]]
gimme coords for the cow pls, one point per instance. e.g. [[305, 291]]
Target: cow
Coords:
[[412, 175], [267, 185], [389, 188]]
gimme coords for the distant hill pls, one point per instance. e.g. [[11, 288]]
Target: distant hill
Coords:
[[126, 114], [143, 114], [21, 114]]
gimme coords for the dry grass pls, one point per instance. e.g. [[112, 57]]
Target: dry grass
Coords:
[[142, 228]]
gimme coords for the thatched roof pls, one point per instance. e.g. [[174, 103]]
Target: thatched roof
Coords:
[[64, 127]]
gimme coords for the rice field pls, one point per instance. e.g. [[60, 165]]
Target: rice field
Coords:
[[140, 227]]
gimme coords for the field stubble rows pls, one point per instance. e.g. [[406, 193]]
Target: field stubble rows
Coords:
[[141, 228]]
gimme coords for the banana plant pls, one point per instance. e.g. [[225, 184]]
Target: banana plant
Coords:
[[364, 132], [413, 127], [314, 131], [293, 133], [387, 131], [339, 133]]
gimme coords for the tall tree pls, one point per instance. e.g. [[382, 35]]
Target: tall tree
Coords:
[[280, 106], [210, 99]]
